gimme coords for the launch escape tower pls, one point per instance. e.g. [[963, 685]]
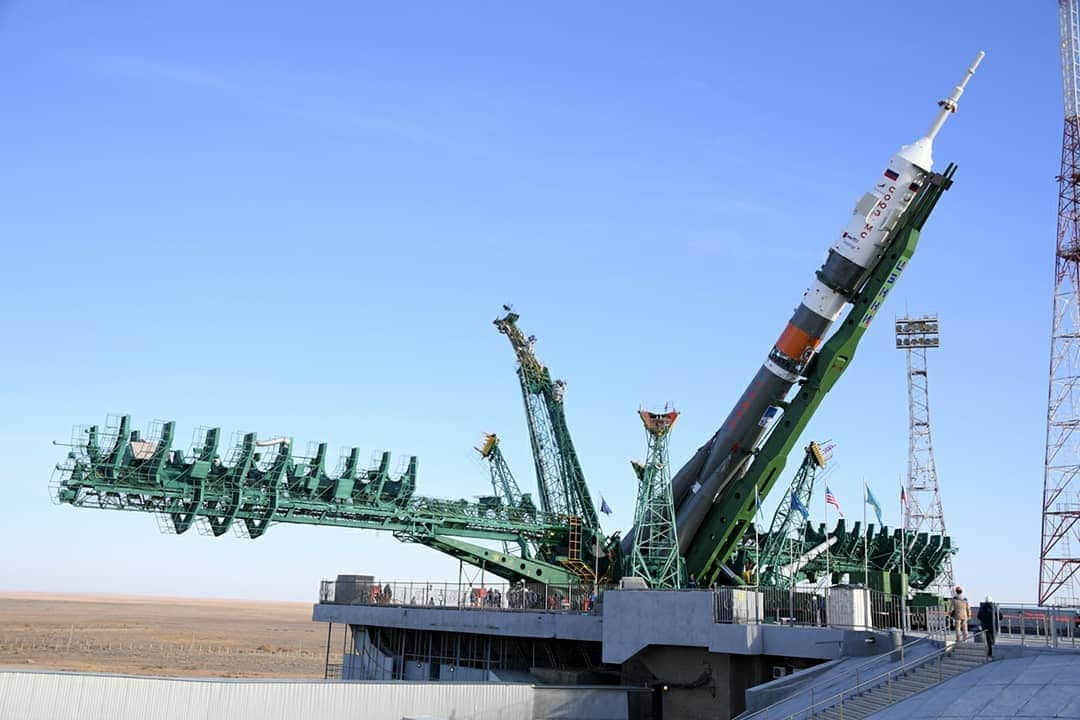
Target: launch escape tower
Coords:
[[1061, 485], [924, 511], [786, 538], [655, 553]]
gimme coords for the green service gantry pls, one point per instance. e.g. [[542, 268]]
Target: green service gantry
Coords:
[[783, 544], [559, 478], [259, 483], [654, 555], [731, 515], [505, 486]]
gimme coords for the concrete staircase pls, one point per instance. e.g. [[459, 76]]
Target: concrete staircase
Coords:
[[904, 683]]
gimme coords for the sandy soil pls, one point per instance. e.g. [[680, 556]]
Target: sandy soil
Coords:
[[162, 636]]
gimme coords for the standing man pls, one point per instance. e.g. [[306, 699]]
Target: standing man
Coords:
[[960, 612], [987, 618]]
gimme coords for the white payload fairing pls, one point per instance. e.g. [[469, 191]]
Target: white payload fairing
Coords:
[[850, 261]]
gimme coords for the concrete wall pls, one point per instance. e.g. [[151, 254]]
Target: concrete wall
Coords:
[[596, 703], [46, 696], [49, 695], [566, 626], [636, 619]]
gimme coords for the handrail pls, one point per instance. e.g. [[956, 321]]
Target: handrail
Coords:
[[913, 665], [853, 671]]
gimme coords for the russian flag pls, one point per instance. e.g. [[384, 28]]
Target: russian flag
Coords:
[[891, 174]]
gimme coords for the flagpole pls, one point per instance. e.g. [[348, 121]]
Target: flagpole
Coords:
[[828, 571], [757, 539], [903, 559], [865, 554], [865, 549]]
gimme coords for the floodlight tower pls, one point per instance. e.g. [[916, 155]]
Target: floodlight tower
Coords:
[[1058, 565], [924, 513], [655, 554]]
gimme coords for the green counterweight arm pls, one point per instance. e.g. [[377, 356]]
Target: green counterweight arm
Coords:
[[731, 515]]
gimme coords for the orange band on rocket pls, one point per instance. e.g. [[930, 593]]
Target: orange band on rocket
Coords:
[[795, 342]]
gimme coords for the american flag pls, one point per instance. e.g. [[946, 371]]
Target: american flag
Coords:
[[903, 496], [830, 499]]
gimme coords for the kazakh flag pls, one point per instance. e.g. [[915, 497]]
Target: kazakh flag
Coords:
[[872, 502]]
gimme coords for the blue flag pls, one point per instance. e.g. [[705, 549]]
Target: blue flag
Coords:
[[872, 502], [798, 507], [604, 507]]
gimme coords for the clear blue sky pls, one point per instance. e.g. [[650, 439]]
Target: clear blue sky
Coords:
[[302, 220]]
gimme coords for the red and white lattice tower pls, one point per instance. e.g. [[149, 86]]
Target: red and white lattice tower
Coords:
[[1058, 565]]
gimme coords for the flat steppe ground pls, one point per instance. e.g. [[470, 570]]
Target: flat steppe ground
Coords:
[[163, 636]]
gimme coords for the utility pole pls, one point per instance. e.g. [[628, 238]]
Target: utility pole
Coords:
[[1058, 564], [916, 335]]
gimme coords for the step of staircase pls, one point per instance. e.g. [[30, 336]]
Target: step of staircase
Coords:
[[958, 660]]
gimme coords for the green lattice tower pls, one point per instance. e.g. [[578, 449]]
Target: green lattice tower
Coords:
[[559, 478], [519, 504], [655, 554], [785, 539]]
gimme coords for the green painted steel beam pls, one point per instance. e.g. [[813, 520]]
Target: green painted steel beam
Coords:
[[508, 566], [882, 546], [731, 515], [147, 475]]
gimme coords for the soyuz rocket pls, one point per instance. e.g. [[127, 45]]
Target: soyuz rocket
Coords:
[[851, 259]]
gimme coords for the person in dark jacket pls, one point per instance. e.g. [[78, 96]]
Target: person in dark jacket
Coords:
[[987, 618]]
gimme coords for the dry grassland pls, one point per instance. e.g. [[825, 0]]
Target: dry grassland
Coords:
[[162, 636]]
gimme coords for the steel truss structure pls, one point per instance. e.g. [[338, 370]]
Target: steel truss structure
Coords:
[[655, 554], [1058, 564], [924, 511]]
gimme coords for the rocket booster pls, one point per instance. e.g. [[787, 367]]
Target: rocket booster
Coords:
[[849, 262]]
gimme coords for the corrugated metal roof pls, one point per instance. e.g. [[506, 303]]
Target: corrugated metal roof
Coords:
[[49, 695]]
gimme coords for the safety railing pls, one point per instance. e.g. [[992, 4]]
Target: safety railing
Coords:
[[841, 607], [528, 597], [855, 674], [1023, 624], [864, 684], [1030, 624]]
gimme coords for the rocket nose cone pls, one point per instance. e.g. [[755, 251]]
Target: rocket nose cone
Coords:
[[919, 153]]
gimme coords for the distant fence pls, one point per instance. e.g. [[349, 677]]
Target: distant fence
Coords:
[[62, 642], [78, 649]]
